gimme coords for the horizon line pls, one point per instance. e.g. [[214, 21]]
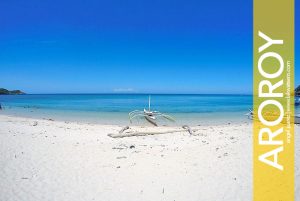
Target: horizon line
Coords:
[[137, 93]]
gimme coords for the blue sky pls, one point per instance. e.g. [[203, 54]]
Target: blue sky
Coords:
[[155, 46]]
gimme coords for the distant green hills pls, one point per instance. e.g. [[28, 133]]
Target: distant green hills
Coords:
[[13, 92]]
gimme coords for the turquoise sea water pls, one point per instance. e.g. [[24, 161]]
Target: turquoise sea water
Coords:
[[114, 108]]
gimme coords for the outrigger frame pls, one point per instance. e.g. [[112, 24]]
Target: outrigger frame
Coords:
[[150, 116]]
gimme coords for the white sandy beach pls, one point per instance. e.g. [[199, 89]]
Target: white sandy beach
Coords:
[[56, 160]]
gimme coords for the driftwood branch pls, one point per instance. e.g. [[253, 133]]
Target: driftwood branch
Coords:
[[145, 133], [124, 129], [188, 129]]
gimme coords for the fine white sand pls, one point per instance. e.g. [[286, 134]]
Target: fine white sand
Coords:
[[55, 160]]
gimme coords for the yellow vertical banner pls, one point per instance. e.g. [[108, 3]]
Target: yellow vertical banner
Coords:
[[273, 100]]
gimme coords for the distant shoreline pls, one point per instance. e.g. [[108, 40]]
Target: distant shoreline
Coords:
[[4, 91]]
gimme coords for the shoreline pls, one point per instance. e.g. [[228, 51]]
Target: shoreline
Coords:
[[122, 119], [32, 121]]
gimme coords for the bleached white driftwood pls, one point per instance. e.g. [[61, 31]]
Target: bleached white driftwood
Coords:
[[145, 133]]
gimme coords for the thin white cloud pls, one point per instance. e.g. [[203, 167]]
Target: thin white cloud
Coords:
[[123, 90]]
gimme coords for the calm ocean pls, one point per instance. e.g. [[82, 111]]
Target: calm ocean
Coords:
[[114, 108]]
